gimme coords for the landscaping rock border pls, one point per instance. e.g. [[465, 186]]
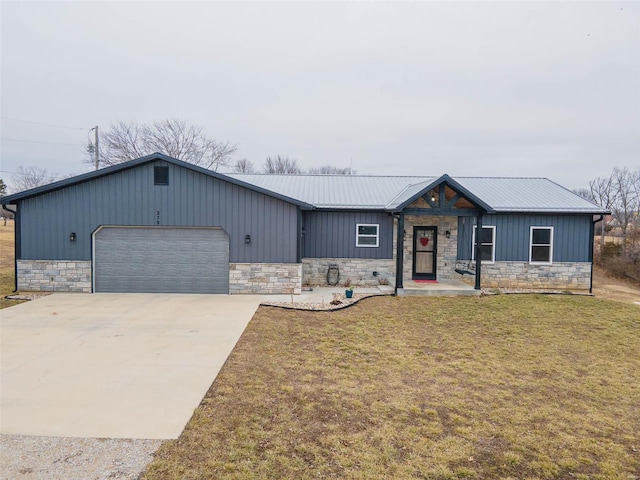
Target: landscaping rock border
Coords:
[[338, 302]]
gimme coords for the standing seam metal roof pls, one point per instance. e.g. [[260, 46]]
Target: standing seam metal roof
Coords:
[[368, 192], [361, 192]]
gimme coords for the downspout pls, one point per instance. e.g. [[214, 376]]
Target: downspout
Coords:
[[591, 235], [399, 251], [16, 238], [300, 242], [478, 248]]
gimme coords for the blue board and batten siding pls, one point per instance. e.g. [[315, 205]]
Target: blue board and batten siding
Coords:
[[129, 197], [333, 235], [571, 236]]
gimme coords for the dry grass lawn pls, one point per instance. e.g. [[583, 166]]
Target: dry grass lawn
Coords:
[[7, 273], [509, 387], [504, 387]]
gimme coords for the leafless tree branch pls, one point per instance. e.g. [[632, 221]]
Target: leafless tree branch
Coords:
[[243, 166], [281, 165], [27, 178], [173, 137]]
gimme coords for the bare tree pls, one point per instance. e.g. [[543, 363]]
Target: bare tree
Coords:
[[176, 138], [602, 191], [626, 202], [585, 193], [3, 192], [243, 166], [282, 165], [331, 170], [26, 178]]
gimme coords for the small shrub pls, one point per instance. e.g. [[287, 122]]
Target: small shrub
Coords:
[[611, 249]]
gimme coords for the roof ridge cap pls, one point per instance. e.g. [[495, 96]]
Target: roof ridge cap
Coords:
[[509, 178]]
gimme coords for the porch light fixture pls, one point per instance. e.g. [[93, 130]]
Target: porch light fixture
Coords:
[[247, 239], [72, 237], [447, 234], [433, 197]]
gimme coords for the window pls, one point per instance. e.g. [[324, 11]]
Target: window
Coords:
[[161, 175], [541, 245], [487, 244], [367, 235]]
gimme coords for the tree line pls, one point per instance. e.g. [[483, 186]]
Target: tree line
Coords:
[[176, 138], [619, 193]]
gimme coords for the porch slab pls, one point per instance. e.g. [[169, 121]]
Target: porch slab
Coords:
[[442, 288]]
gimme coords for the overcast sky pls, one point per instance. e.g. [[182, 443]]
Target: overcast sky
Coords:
[[469, 89]]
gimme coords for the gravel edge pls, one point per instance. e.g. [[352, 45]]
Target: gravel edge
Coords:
[[60, 458]]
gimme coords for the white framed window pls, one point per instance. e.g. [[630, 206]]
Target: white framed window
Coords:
[[487, 244], [541, 245], [367, 235]]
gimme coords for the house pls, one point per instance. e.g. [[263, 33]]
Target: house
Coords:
[[157, 224]]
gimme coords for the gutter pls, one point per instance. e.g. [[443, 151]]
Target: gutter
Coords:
[[593, 229], [15, 237]]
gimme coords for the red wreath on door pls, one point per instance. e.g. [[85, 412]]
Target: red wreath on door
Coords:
[[424, 241]]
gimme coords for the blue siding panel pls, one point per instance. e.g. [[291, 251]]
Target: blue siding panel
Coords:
[[571, 242], [333, 235], [130, 198]]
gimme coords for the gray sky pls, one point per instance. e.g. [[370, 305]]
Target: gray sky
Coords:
[[476, 89]]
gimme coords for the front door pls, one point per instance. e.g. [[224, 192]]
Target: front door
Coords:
[[425, 247]]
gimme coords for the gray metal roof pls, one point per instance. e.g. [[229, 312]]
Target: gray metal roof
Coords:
[[408, 192], [9, 199], [368, 192], [334, 191], [525, 195]]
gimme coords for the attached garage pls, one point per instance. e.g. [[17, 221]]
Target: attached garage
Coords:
[[160, 260]]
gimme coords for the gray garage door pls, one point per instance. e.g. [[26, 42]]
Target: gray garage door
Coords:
[[161, 260]]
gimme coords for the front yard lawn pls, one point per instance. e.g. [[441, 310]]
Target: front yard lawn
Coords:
[[510, 387]]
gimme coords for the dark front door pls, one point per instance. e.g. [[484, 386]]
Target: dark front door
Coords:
[[425, 248]]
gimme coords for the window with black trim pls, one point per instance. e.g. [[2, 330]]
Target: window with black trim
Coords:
[[161, 175], [541, 245], [487, 244], [367, 234]]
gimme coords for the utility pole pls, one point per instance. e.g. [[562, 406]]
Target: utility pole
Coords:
[[97, 152]]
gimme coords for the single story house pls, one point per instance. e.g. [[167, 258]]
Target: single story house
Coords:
[[157, 224]]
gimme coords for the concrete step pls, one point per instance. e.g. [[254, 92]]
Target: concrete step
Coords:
[[437, 292]]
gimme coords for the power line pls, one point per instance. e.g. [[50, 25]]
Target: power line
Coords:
[[15, 173], [43, 124], [27, 174], [36, 141]]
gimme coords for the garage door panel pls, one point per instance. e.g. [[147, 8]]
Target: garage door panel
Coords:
[[161, 260]]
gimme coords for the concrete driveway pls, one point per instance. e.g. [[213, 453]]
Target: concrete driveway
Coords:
[[114, 365]]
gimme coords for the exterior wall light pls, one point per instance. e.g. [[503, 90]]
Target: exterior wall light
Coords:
[[247, 239], [72, 237], [447, 234]]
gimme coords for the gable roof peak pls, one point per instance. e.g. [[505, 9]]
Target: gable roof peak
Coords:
[[136, 162]]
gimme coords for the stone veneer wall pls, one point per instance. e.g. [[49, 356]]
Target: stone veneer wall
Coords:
[[447, 247], [54, 275], [563, 276], [359, 270], [265, 278]]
